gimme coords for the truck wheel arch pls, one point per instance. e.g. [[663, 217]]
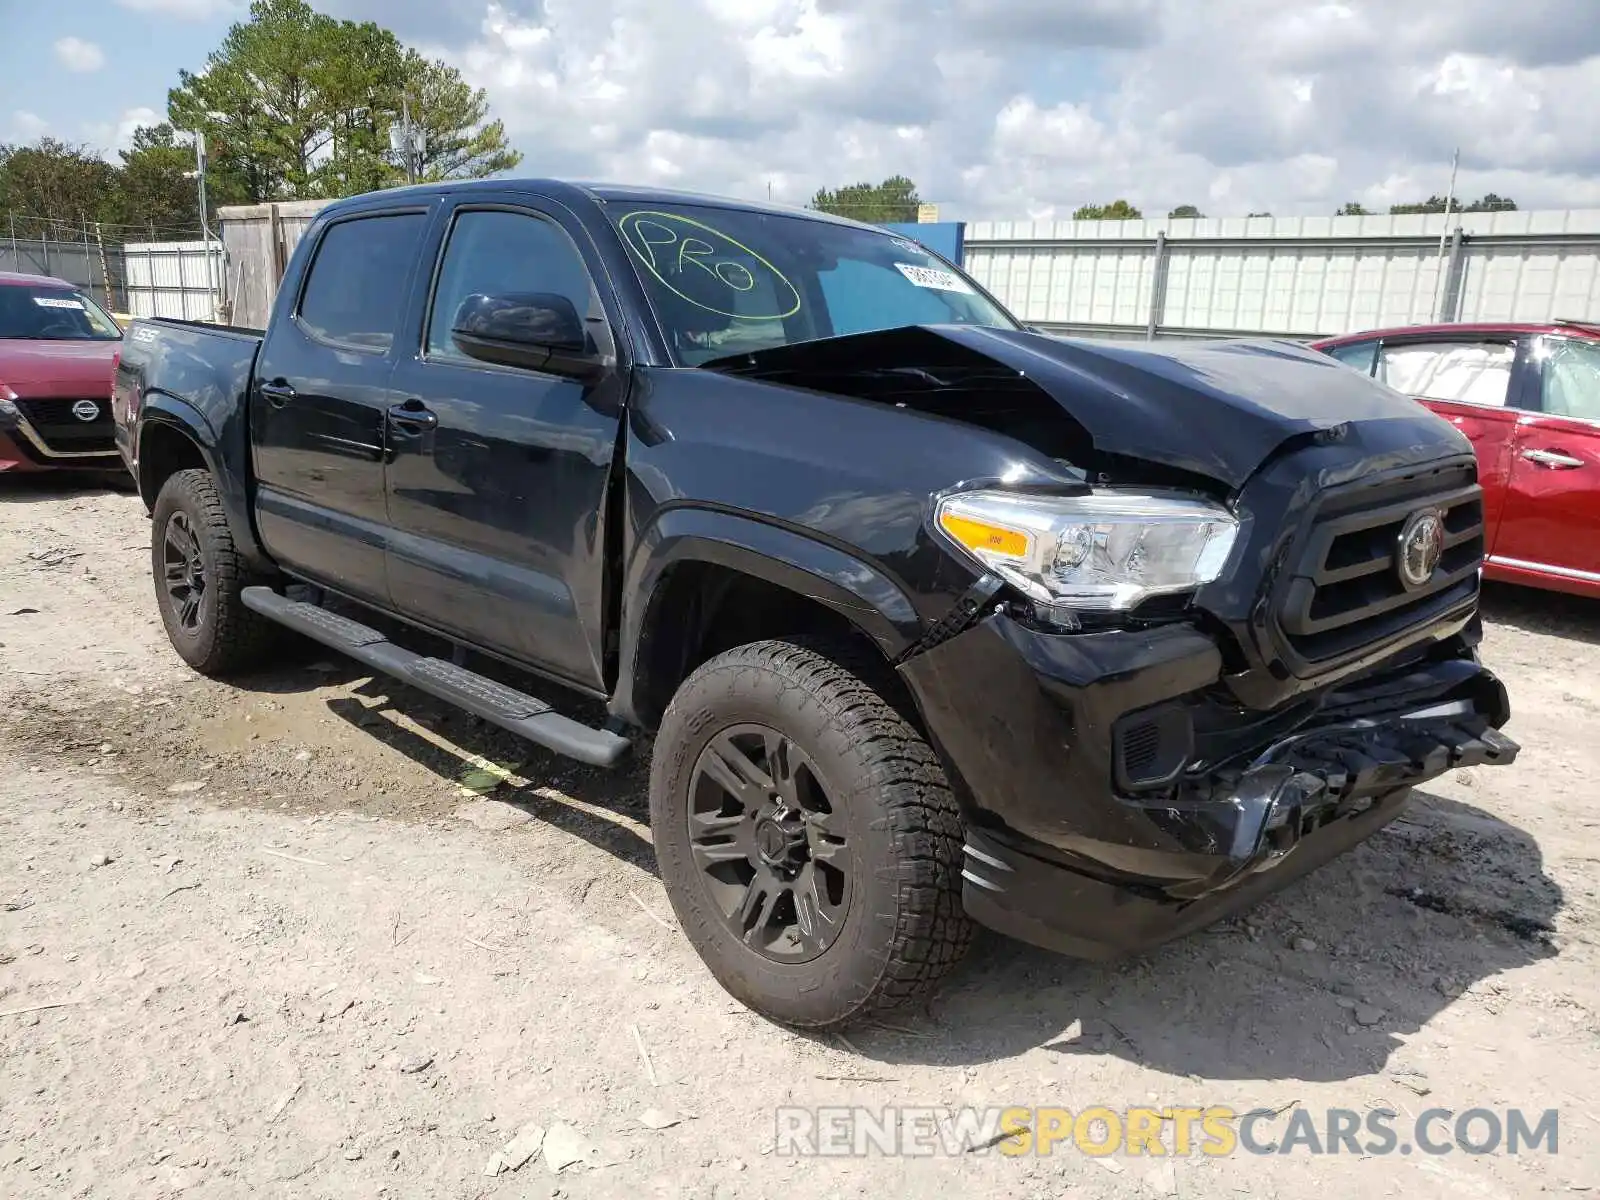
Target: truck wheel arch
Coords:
[[165, 448], [702, 577], [173, 436]]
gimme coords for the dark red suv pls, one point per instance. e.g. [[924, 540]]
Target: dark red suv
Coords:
[[1529, 398], [58, 353]]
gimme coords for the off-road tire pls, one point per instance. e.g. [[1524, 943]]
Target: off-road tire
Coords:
[[229, 637], [904, 929]]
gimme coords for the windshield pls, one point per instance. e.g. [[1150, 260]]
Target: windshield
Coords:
[[45, 313], [728, 281]]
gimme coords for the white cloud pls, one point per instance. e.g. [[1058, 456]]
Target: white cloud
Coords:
[[26, 126], [1029, 107], [1041, 105], [188, 10], [113, 136], [75, 54]]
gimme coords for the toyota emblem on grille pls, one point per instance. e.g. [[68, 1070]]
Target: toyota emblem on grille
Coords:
[[1421, 546], [86, 410]]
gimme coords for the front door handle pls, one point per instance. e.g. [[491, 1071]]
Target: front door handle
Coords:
[[1552, 458], [414, 414], [278, 392]]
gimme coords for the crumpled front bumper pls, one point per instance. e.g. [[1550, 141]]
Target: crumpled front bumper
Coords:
[[1058, 854]]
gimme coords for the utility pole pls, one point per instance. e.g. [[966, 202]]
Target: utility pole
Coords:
[[205, 225], [83, 219], [1444, 233], [408, 145]]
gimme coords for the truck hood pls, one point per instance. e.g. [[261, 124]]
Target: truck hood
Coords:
[[77, 367], [1217, 409]]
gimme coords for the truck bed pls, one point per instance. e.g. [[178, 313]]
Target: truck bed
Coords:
[[199, 374], [204, 326]]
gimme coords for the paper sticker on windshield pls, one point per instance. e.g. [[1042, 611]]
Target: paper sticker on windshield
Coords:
[[53, 302], [933, 277]]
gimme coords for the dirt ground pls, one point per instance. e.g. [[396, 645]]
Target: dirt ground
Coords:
[[316, 935]]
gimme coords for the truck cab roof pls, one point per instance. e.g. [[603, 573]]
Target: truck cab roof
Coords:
[[593, 191]]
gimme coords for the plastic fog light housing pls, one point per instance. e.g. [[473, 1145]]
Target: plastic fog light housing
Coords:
[[1106, 551]]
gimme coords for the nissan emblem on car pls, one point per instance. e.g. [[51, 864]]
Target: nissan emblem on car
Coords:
[[86, 410], [1421, 545]]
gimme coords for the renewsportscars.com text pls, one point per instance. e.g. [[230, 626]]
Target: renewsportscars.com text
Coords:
[[1215, 1131]]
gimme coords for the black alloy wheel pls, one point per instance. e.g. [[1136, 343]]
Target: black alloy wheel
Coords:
[[773, 856], [200, 576], [185, 574], [806, 833]]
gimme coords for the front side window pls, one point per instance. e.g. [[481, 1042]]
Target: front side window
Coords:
[[1471, 372], [40, 312], [495, 253], [1571, 385], [726, 281], [357, 287]]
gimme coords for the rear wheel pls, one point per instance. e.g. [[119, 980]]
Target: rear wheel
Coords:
[[199, 576], [806, 834]]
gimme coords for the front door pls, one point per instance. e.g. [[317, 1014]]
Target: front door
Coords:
[[317, 412], [497, 476], [1552, 517], [1469, 381]]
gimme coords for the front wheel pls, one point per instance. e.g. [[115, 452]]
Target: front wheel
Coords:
[[807, 835]]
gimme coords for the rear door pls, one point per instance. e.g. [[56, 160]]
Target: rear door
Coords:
[[498, 475], [319, 399], [1552, 516], [1474, 382]]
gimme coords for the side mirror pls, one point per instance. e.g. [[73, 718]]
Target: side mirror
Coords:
[[538, 330]]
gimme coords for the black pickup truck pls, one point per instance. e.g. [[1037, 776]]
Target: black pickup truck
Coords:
[[934, 619]]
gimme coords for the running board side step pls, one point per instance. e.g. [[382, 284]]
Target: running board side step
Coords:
[[524, 715]]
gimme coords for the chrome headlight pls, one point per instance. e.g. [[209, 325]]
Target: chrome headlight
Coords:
[[1103, 552]]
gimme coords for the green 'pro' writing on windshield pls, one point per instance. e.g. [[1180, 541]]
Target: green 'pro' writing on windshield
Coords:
[[706, 267]]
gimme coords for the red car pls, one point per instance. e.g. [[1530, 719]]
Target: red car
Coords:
[[58, 353], [1529, 398]]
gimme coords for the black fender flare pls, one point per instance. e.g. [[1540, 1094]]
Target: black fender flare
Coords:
[[171, 412], [858, 591]]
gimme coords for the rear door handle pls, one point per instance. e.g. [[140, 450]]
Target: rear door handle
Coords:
[[413, 414], [278, 392], [1552, 458]]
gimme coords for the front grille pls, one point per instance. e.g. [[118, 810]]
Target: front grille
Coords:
[[63, 432], [1344, 592]]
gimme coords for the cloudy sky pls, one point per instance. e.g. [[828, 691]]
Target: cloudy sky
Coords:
[[1011, 108]]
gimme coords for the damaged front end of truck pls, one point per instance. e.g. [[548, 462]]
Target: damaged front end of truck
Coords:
[[1220, 655]]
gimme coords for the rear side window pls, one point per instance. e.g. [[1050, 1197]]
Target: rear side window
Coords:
[[357, 286], [1572, 379], [1359, 355], [1471, 372]]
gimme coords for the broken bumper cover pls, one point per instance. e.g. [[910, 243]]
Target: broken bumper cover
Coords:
[[1058, 855], [1283, 820]]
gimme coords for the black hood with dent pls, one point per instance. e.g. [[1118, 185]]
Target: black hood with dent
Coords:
[[1217, 409]]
